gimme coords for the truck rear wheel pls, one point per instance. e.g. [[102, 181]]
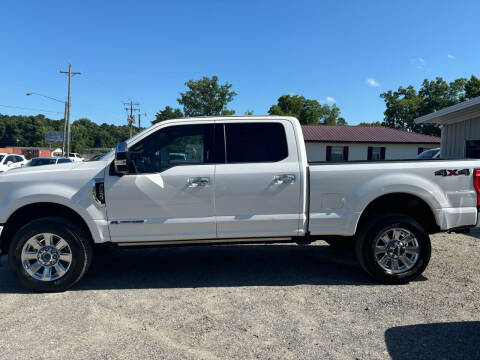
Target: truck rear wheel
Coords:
[[49, 254], [393, 248]]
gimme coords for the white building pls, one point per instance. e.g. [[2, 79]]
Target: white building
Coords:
[[362, 143], [460, 129]]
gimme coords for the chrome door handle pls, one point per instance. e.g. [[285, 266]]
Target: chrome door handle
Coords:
[[284, 179], [198, 181]]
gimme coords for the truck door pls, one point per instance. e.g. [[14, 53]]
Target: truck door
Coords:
[[257, 189], [169, 191]]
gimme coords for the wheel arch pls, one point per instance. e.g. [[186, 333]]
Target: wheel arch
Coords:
[[29, 212], [401, 203]]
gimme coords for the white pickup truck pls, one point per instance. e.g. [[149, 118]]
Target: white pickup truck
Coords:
[[239, 180]]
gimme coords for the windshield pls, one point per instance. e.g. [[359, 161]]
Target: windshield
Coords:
[[1, 157], [40, 161], [97, 157]]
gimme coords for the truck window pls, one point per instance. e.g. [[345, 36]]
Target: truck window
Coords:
[[255, 142], [172, 146]]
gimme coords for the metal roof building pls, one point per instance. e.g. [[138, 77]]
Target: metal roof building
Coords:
[[460, 129], [364, 134], [359, 143]]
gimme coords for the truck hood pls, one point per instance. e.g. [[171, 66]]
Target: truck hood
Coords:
[[58, 172], [65, 184]]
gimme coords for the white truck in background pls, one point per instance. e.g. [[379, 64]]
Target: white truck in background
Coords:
[[11, 161], [239, 180]]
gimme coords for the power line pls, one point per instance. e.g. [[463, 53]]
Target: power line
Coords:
[[32, 109]]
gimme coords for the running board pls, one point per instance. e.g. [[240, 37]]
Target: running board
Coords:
[[206, 241]]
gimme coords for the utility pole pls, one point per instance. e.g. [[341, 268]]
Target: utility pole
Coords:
[[64, 129], [129, 107], [70, 74], [139, 115]]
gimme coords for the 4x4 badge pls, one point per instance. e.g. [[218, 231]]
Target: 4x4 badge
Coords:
[[454, 172]]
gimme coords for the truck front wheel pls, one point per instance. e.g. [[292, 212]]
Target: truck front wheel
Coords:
[[393, 248], [49, 254]]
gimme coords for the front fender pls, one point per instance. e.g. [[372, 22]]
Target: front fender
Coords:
[[80, 201]]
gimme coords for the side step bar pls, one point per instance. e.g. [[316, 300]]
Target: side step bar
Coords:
[[207, 241]]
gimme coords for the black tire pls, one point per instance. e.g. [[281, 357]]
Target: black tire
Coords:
[[376, 226], [78, 241], [342, 243]]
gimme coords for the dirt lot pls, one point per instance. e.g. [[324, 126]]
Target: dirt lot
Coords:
[[244, 302]]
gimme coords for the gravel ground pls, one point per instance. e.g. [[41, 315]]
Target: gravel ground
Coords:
[[249, 301]]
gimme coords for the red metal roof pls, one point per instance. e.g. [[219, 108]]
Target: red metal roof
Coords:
[[364, 134]]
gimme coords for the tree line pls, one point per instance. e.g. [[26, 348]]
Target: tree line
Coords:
[[207, 97], [406, 104], [21, 130]]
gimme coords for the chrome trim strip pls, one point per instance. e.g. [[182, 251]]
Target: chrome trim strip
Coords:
[[1, 229], [205, 241], [132, 221]]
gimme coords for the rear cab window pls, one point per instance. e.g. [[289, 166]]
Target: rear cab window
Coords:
[[255, 142]]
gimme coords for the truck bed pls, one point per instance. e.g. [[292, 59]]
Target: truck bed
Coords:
[[339, 192]]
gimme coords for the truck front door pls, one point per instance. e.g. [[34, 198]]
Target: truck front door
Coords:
[[169, 191]]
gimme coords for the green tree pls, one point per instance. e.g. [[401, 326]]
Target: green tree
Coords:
[[206, 97], [28, 130], [166, 114], [375, 123], [472, 87], [307, 111], [437, 94], [406, 104]]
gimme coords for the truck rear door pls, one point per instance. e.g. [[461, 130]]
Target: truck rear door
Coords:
[[257, 189]]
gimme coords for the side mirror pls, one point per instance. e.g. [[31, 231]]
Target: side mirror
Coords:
[[121, 159]]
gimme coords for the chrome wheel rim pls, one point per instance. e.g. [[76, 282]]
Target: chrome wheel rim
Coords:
[[396, 250], [46, 257]]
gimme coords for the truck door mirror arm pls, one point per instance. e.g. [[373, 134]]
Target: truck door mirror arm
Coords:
[[121, 159]]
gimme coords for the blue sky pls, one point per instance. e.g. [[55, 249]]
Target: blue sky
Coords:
[[147, 50]]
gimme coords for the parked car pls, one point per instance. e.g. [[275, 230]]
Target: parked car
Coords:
[[247, 181], [429, 154], [47, 161], [97, 157], [11, 161], [75, 157]]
